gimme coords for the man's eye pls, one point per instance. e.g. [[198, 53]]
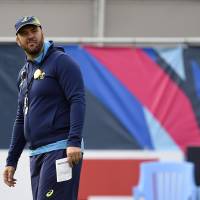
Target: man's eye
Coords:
[[34, 30], [22, 33]]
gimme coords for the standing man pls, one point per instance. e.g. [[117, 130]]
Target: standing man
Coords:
[[50, 116]]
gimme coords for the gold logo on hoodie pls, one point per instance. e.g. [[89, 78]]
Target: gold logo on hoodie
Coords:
[[39, 74]]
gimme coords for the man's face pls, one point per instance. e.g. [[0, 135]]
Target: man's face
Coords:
[[31, 39]]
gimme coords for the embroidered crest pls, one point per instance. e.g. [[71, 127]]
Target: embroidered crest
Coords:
[[39, 74]]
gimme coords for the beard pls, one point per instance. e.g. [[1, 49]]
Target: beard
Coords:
[[33, 46]]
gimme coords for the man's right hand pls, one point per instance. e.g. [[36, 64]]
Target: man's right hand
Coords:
[[8, 176]]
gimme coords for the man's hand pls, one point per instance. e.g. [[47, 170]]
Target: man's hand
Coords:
[[74, 155], [8, 176]]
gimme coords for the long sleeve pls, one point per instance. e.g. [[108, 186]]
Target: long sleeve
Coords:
[[18, 141], [70, 79]]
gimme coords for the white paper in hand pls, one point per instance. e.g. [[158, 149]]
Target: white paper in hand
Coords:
[[63, 170]]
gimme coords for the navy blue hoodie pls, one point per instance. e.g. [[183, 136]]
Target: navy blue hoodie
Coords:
[[56, 104]]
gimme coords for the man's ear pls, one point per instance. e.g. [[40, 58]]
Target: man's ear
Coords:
[[18, 42]]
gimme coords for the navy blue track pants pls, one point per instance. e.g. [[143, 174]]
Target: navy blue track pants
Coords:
[[43, 178]]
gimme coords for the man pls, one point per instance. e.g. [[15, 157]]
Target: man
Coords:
[[50, 116]]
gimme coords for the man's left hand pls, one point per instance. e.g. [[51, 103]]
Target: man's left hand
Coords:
[[74, 155]]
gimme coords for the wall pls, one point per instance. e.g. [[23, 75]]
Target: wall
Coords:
[[152, 18], [124, 18], [58, 18]]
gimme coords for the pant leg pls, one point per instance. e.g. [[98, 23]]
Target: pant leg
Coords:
[[35, 168], [48, 187]]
